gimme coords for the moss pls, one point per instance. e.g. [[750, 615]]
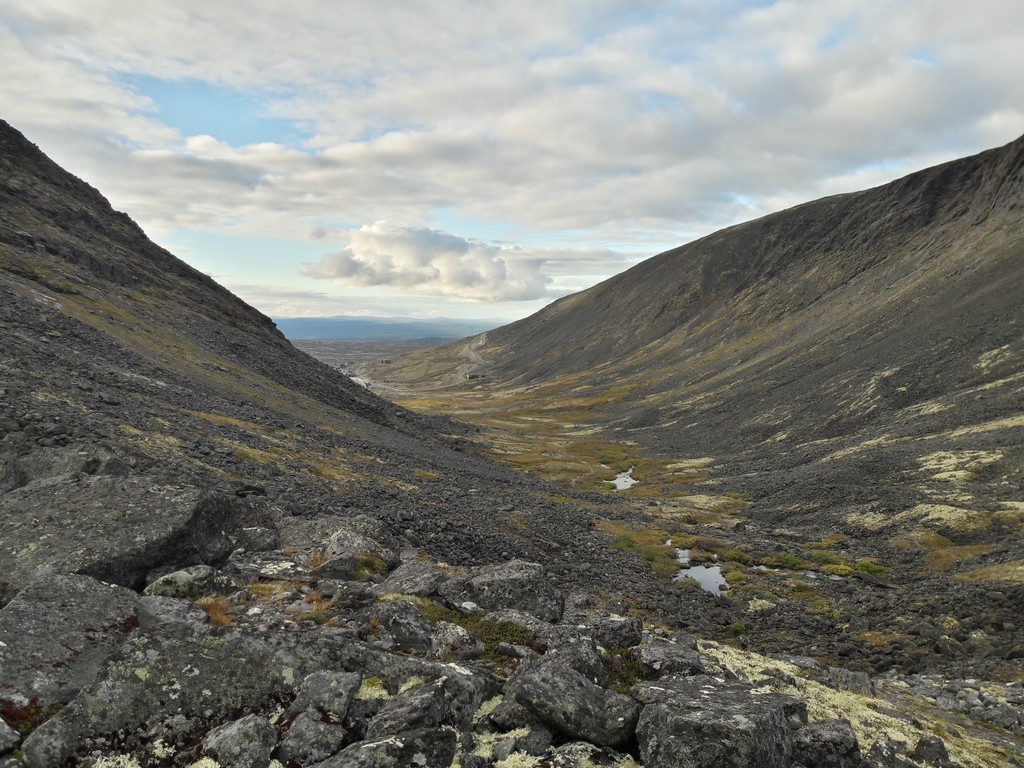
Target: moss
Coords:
[[491, 633], [785, 560], [623, 668], [647, 543], [837, 570], [368, 565], [372, 688], [824, 557], [868, 565]]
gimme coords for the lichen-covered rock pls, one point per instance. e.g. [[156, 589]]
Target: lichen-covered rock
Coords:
[[451, 699], [579, 652], [612, 632], [412, 577], [398, 624], [115, 529], [55, 636], [569, 703], [61, 461], [157, 613], [358, 551], [886, 754], [185, 674], [450, 641], [701, 722], [662, 658], [244, 743], [194, 581], [311, 739], [9, 738], [327, 693], [931, 749], [827, 744], [428, 748], [515, 584]]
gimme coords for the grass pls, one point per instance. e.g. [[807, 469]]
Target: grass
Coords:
[[491, 633], [647, 543], [218, 608], [623, 669]]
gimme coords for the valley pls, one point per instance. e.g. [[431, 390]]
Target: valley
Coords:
[[214, 545]]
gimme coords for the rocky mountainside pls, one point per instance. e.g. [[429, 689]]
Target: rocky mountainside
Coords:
[[215, 551]]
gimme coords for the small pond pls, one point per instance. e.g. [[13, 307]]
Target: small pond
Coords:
[[709, 577], [624, 480]]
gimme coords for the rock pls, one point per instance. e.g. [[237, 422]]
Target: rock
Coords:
[[115, 529], [847, 680], [567, 702], [310, 739], [347, 595], [244, 743], [256, 538], [450, 641], [886, 754], [661, 658], [827, 744], [428, 748], [55, 636], [352, 554], [62, 461], [184, 673], [327, 694], [157, 613], [514, 584], [412, 577], [931, 749], [398, 624], [580, 653], [705, 723], [194, 581], [9, 738], [611, 632]]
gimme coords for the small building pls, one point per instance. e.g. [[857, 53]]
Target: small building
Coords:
[[474, 376]]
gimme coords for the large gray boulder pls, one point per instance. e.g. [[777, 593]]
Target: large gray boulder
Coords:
[[412, 577], [702, 722], [55, 636], [188, 677], [570, 704], [65, 460], [662, 658], [427, 748], [115, 529], [827, 744], [243, 743], [515, 584]]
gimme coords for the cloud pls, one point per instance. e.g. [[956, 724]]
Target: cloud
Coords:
[[609, 123], [427, 261]]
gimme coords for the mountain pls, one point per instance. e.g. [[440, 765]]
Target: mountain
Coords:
[[215, 550], [341, 328]]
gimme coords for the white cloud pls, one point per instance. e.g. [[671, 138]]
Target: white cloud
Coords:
[[609, 123], [428, 261]]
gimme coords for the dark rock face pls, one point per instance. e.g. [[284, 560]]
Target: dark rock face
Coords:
[[702, 722], [828, 744], [55, 637], [516, 584], [569, 703], [115, 529]]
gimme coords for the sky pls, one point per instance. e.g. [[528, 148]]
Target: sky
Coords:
[[479, 159]]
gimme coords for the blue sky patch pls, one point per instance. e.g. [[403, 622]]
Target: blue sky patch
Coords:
[[195, 107]]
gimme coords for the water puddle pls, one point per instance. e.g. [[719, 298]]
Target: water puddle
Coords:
[[624, 480], [709, 577]]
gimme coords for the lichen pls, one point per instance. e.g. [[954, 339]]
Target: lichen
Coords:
[[372, 688]]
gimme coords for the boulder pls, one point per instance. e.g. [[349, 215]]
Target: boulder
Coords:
[[397, 623], [187, 676], [155, 614], [327, 694], [450, 641], [9, 738], [702, 722], [194, 581], [886, 754], [570, 704], [827, 744], [412, 577], [244, 743], [428, 748], [311, 739], [662, 658], [115, 529], [56, 462], [55, 636], [515, 584]]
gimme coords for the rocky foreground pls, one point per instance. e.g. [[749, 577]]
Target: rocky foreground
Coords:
[[364, 653]]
